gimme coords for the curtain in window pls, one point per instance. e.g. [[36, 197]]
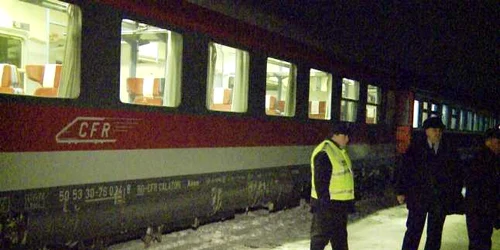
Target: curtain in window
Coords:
[[69, 86], [173, 71], [212, 59], [290, 93], [240, 89], [328, 111]]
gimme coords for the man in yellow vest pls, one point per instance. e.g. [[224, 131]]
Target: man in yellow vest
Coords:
[[332, 190]]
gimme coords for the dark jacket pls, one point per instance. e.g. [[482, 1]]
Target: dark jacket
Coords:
[[430, 181], [482, 182]]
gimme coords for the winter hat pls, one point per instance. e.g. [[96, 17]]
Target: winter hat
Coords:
[[433, 122]]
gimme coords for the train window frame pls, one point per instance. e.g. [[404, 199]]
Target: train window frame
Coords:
[[14, 36], [486, 122], [153, 77], [469, 121], [463, 120], [416, 113], [454, 118], [373, 106], [445, 114], [320, 94], [50, 64], [428, 108], [286, 105], [425, 112], [228, 92], [349, 101]]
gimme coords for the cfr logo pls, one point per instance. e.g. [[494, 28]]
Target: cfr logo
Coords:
[[95, 129]]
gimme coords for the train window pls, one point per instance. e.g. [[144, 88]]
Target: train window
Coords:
[[372, 104], [350, 99], [425, 111], [463, 120], [469, 121], [492, 123], [320, 94], [280, 87], [227, 81], [454, 119], [11, 50], [483, 123], [476, 123], [445, 114], [416, 112], [434, 108], [151, 64], [40, 48]]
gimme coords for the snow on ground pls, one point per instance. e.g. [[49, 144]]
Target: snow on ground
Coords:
[[289, 230]]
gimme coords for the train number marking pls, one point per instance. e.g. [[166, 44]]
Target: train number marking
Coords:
[[95, 129], [35, 201]]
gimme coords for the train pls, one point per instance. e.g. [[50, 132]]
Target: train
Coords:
[[119, 117]]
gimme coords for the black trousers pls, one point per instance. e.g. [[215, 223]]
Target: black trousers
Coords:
[[329, 226], [415, 225], [479, 229]]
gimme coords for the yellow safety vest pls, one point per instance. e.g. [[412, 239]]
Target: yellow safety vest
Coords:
[[342, 180]]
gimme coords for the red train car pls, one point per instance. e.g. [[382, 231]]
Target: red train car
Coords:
[[118, 116]]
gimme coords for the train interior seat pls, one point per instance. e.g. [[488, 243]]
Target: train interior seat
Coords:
[[145, 91], [222, 99], [10, 79], [48, 76], [317, 109], [275, 107]]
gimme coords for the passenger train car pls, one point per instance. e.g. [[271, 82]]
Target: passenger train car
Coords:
[[117, 117]]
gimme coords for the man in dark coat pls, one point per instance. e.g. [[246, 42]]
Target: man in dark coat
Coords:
[[429, 181], [482, 182]]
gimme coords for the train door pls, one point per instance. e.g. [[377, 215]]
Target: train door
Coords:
[[404, 119]]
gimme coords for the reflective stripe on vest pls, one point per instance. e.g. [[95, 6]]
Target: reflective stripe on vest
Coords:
[[342, 180]]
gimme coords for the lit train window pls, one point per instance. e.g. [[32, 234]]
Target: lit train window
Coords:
[[227, 81], [151, 65], [40, 45], [434, 108], [425, 112], [493, 122], [463, 120], [416, 112], [280, 87], [454, 118], [349, 102], [483, 123], [444, 115], [320, 94], [469, 121], [372, 104], [476, 123]]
